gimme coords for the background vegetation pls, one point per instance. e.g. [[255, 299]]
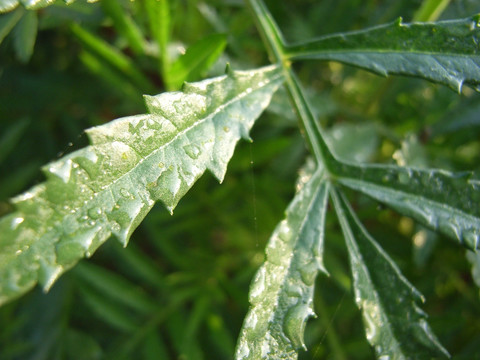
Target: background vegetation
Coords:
[[179, 290]]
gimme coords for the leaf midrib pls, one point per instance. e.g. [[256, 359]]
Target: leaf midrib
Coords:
[[242, 95]]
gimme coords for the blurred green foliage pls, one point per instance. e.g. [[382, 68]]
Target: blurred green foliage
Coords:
[[179, 290]]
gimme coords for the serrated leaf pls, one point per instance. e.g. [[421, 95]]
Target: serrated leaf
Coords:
[[281, 293], [395, 326], [443, 201], [25, 34], [445, 52], [108, 188], [197, 60]]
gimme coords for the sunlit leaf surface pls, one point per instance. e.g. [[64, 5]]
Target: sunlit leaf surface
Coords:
[[108, 188], [281, 293], [395, 326], [444, 201], [445, 52]]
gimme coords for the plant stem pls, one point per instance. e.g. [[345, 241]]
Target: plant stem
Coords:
[[274, 43]]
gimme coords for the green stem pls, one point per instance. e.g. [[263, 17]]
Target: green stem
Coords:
[[275, 45]]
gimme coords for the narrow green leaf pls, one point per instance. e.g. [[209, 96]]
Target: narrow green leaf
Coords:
[[8, 21], [445, 52], [112, 56], [158, 12], [444, 201], [124, 24], [25, 34], [112, 313], [196, 61], [395, 326], [281, 293], [108, 188], [115, 287], [430, 10]]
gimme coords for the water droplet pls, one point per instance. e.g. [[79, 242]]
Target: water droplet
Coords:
[[308, 273], [16, 221], [95, 212], [161, 165], [226, 129], [125, 193], [192, 151], [62, 169], [258, 286]]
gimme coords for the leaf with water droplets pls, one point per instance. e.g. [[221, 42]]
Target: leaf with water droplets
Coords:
[[281, 293], [395, 326], [108, 187], [444, 201], [445, 52]]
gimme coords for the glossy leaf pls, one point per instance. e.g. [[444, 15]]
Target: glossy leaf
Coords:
[[281, 293], [444, 201], [395, 326], [108, 188], [445, 52]]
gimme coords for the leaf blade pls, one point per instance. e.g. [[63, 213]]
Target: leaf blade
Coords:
[[394, 324], [444, 201], [281, 293], [108, 187], [445, 52], [197, 59]]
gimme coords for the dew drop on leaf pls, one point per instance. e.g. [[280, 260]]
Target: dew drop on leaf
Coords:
[[294, 324], [193, 151]]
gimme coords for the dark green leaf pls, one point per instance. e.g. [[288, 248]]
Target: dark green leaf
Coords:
[[444, 201], [8, 21], [25, 33], [395, 326], [445, 52], [109, 187], [281, 293]]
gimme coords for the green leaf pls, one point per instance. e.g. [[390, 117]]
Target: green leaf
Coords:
[[8, 21], [430, 10], [111, 55], [395, 326], [281, 293], [8, 5], [25, 33], [445, 52], [474, 259], [107, 188], [444, 201], [158, 12], [196, 61], [124, 24]]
